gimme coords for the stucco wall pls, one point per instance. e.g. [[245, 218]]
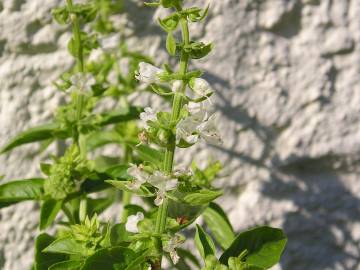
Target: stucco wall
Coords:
[[286, 74]]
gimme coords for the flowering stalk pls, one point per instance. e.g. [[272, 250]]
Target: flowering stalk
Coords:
[[176, 108], [79, 63]]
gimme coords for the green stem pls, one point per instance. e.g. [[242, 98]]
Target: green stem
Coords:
[[170, 151], [126, 196], [76, 30], [83, 209], [77, 37]]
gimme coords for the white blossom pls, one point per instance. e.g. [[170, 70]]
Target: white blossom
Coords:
[[198, 124], [148, 115], [177, 86], [185, 130], [171, 246], [163, 183], [209, 132], [148, 73], [81, 82], [132, 222], [140, 176], [201, 87]]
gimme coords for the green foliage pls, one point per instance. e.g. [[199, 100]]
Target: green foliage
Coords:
[[22, 190], [219, 224], [203, 242], [36, 134], [44, 261], [263, 246], [49, 210]]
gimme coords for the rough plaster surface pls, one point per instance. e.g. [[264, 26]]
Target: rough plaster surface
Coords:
[[288, 91]]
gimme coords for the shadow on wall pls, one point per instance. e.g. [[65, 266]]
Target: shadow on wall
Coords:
[[320, 233]]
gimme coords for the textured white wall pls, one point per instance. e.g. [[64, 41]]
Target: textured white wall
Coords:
[[288, 89]]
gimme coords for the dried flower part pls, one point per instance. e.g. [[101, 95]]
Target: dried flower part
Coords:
[[143, 137], [171, 246], [182, 220], [132, 222], [148, 73]]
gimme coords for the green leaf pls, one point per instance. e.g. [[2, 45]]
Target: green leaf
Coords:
[[204, 243], [66, 245], [264, 246], [44, 261], [45, 168], [120, 115], [35, 134], [152, 4], [97, 206], [61, 15], [119, 234], [68, 265], [185, 254], [170, 23], [200, 50], [49, 210], [118, 172], [219, 224], [203, 196], [101, 138], [123, 185], [171, 44], [73, 47], [21, 190], [238, 264], [106, 259], [146, 153]]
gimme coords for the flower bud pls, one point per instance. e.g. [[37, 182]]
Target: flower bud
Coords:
[[163, 136], [200, 86]]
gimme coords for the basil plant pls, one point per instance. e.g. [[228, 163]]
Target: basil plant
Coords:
[[78, 186]]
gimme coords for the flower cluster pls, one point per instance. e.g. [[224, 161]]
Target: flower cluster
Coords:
[[199, 123], [158, 179]]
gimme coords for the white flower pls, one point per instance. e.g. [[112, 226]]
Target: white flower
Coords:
[[163, 183], [132, 222], [201, 87], [140, 176], [209, 132], [177, 86], [148, 115], [185, 130], [148, 73], [199, 112], [179, 172], [171, 246], [198, 124], [81, 82]]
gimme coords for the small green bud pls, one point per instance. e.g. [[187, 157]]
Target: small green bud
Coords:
[[163, 136]]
